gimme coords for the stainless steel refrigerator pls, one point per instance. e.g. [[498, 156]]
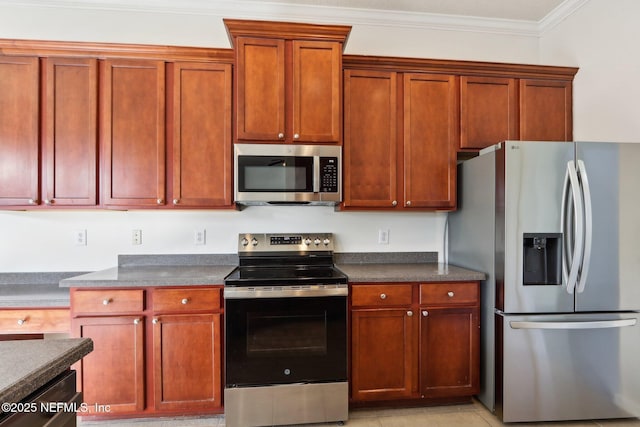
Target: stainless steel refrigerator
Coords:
[[556, 227]]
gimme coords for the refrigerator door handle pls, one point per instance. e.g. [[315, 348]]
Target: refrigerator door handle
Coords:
[[588, 215], [573, 231], [565, 229], [596, 324]]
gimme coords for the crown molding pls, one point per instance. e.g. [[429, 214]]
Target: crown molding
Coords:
[[261, 10]]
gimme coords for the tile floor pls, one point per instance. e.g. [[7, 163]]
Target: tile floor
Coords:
[[467, 415]]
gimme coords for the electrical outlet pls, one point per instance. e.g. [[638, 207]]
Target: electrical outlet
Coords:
[[200, 237], [136, 237], [80, 237], [383, 237]]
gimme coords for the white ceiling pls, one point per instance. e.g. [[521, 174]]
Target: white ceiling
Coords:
[[525, 10]]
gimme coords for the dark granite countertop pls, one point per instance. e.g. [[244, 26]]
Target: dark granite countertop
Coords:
[[34, 289], [408, 272], [27, 365]]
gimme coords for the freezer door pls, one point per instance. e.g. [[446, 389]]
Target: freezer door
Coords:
[[529, 193], [571, 367], [611, 279]]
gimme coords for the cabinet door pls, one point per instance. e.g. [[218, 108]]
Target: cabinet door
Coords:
[[488, 111], [19, 112], [316, 91], [70, 140], [430, 140], [449, 352], [187, 362], [202, 135], [260, 89], [370, 156], [383, 352], [113, 373], [133, 135], [545, 110]]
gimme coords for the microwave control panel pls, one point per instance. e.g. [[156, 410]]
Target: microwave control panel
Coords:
[[329, 174]]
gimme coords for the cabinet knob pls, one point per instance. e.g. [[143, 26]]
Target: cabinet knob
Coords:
[[296, 136], [185, 301], [450, 294], [32, 201], [155, 321], [176, 201], [106, 301], [281, 135], [409, 313], [159, 201], [48, 202], [136, 321], [425, 313], [383, 296], [408, 202], [21, 321], [394, 203]]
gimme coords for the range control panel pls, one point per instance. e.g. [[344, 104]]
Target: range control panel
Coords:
[[301, 242]]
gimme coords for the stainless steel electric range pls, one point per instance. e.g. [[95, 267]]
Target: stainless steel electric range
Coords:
[[285, 332]]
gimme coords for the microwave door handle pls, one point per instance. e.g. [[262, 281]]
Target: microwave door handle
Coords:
[[316, 174]]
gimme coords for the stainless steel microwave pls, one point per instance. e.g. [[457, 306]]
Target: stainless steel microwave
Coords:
[[287, 174]]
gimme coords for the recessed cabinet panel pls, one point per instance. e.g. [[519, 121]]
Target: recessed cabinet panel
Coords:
[[430, 140], [545, 110], [19, 112], [133, 118], [260, 89], [70, 151], [202, 175], [370, 150], [488, 111]]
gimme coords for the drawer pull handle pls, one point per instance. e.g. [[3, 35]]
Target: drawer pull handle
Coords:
[[155, 321], [409, 313], [451, 294], [185, 301], [136, 321], [21, 321], [425, 313], [106, 301], [383, 296]]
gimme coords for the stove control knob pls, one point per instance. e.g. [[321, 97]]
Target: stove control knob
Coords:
[[254, 242], [316, 242], [244, 241], [307, 241], [326, 242]]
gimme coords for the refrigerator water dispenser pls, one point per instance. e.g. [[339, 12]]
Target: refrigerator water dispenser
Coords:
[[542, 259]]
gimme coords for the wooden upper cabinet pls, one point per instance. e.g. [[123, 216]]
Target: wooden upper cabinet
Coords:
[[430, 140], [288, 85], [370, 149], [546, 110], [488, 111], [202, 157], [19, 130], [133, 132], [70, 144]]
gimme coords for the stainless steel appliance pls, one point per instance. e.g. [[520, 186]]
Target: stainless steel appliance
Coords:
[[555, 227], [285, 332], [287, 174]]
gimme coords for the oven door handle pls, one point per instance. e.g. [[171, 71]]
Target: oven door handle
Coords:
[[285, 291]]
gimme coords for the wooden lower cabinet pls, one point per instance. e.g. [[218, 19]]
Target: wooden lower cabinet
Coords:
[[158, 352], [421, 344], [187, 362]]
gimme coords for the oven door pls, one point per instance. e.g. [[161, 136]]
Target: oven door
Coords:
[[285, 340]]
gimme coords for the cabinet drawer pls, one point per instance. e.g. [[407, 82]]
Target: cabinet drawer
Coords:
[[34, 320], [107, 301], [380, 295], [186, 299], [449, 293]]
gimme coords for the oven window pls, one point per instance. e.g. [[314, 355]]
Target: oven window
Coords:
[[275, 174], [276, 335]]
